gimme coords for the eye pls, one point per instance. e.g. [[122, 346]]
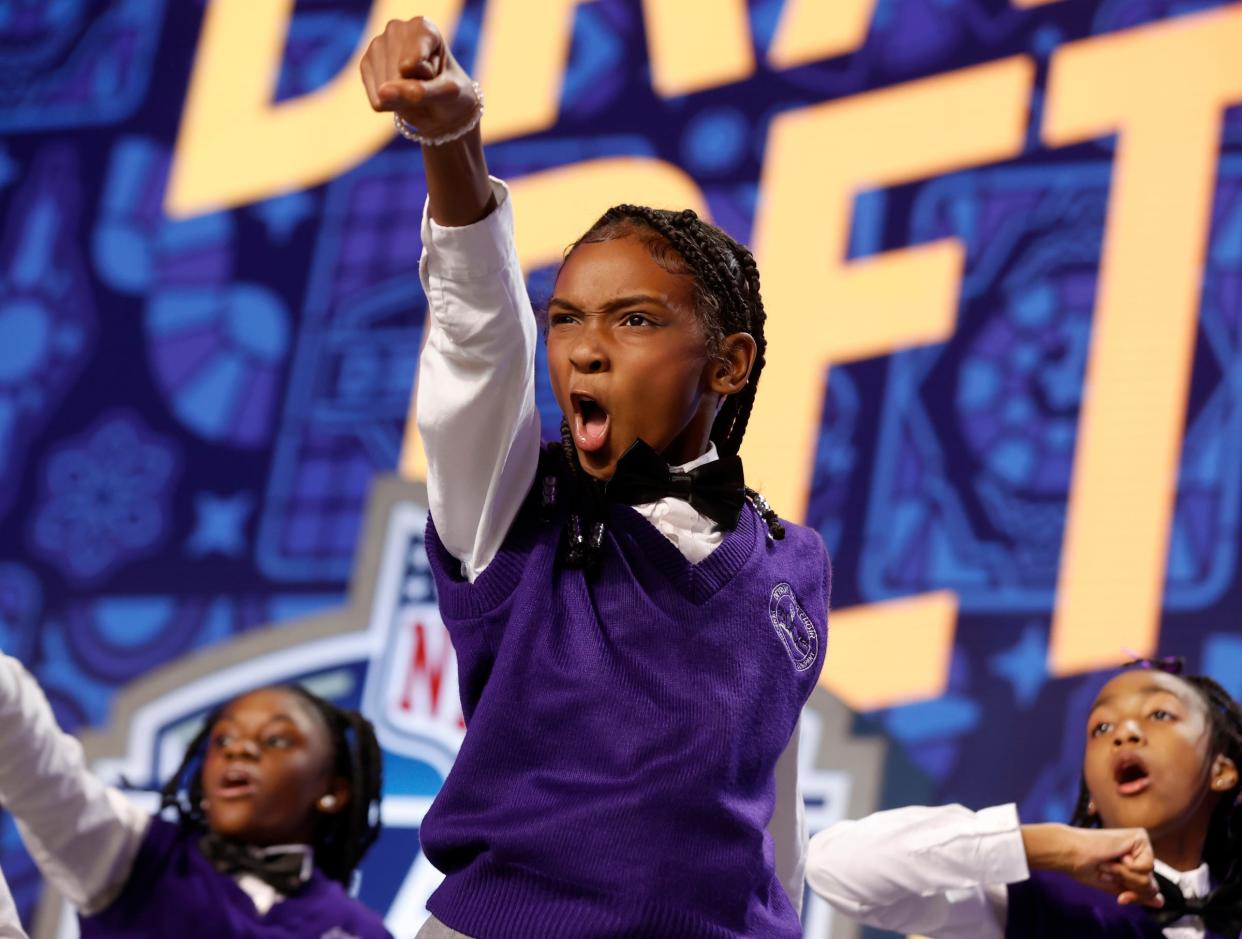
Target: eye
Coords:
[[637, 320], [278, 741], [221, 740], [560, 319], [1100, 728], [1161, 714]]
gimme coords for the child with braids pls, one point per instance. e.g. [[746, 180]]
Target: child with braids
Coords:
[[636, 632], [1151, 852], [277, 801]]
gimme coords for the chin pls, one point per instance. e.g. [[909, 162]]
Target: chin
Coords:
[[1151, 816]]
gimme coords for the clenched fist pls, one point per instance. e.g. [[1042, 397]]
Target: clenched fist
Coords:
[[409, 69]]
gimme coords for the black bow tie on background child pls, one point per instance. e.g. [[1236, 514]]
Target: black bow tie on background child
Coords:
[[716, 489], [280, 870], [1220, 910]]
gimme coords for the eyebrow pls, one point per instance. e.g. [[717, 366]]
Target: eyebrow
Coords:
[[268, 720], [1146, 691], [635, 299]]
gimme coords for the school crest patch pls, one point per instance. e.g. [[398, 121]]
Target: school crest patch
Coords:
[[794, 628]]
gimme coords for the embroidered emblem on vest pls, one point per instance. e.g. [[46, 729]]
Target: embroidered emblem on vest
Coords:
[[793, 626]]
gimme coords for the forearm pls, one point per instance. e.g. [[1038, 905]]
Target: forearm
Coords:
[[82, 834], [458, 188], [938, 871]]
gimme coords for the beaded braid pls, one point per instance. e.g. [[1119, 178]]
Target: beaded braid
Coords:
[[341, 839], [1223, 848], [726, 281]]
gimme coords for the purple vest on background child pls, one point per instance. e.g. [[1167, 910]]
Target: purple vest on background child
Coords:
[[1055, 906], [173, 891], [616, 778]]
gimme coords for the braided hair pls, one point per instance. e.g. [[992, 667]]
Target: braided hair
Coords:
[[727, 301], [341, 838], [1223, 848]]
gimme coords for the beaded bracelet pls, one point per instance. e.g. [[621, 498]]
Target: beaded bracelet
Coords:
[[410, 132]]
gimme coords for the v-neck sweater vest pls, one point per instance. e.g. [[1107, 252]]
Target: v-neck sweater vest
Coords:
[[616, 776], [173, 890]]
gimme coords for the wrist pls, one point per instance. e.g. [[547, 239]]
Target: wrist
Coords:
[[1048, 846]]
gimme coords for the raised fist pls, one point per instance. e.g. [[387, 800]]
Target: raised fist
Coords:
[[409, 69]]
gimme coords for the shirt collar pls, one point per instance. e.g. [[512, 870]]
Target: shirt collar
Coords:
[[307, 852], [698, 461], [1193, 883]]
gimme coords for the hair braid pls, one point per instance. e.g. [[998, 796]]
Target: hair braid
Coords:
[[1223, 848]]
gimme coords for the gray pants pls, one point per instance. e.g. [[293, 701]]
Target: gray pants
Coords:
[[434, 929]]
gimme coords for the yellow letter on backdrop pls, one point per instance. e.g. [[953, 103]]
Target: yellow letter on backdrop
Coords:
[[823, 309], [235, 145], [815, 29], [1162, 89], [697, 45]]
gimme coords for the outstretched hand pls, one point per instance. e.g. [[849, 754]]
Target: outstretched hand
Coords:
[[1117, 860], [410, 70]]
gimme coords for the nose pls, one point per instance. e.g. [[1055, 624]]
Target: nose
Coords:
[[240, 747], [588, 353], [1128, 732]]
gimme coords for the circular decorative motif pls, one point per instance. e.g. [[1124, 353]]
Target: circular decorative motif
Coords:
[[794, 628]]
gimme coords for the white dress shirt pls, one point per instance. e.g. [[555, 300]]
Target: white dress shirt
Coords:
[[10, 924], [941, 871], [476, 412], [83, 835]]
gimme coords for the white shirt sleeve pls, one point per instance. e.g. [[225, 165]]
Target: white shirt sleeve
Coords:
[[940, 872], [788, 824], [475, 402], [10, 923], [82, 834]]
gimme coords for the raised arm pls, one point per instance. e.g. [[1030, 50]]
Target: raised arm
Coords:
[[82, 834], [476, 394]]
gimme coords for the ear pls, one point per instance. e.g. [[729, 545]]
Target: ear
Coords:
[[729, 374], [1224, 775], [336, 798]]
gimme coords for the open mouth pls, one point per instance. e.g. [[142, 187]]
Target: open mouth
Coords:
[[236, 784], [1130, 774], [590, 422]]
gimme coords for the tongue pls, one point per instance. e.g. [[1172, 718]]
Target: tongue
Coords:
[[591, 431], [1130, 787]]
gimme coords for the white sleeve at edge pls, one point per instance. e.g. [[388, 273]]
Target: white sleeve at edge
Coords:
[[938, 871], [788, 824], [10, 924], [475, 402], [82, 834]]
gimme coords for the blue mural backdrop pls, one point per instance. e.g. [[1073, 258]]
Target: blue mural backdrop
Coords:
[[192, 410]]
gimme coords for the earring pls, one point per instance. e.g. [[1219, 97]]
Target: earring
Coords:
[[327, 802], [1090, 808], [204, 804]]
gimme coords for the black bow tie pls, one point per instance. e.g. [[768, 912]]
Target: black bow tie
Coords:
[[1220, 910], [715, 489], [280, 870]]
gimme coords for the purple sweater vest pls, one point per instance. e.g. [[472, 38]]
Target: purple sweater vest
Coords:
[[174, 891], [616, 776], [1054, 906]]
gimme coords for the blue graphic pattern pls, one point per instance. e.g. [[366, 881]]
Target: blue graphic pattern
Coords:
[[191, 412]]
